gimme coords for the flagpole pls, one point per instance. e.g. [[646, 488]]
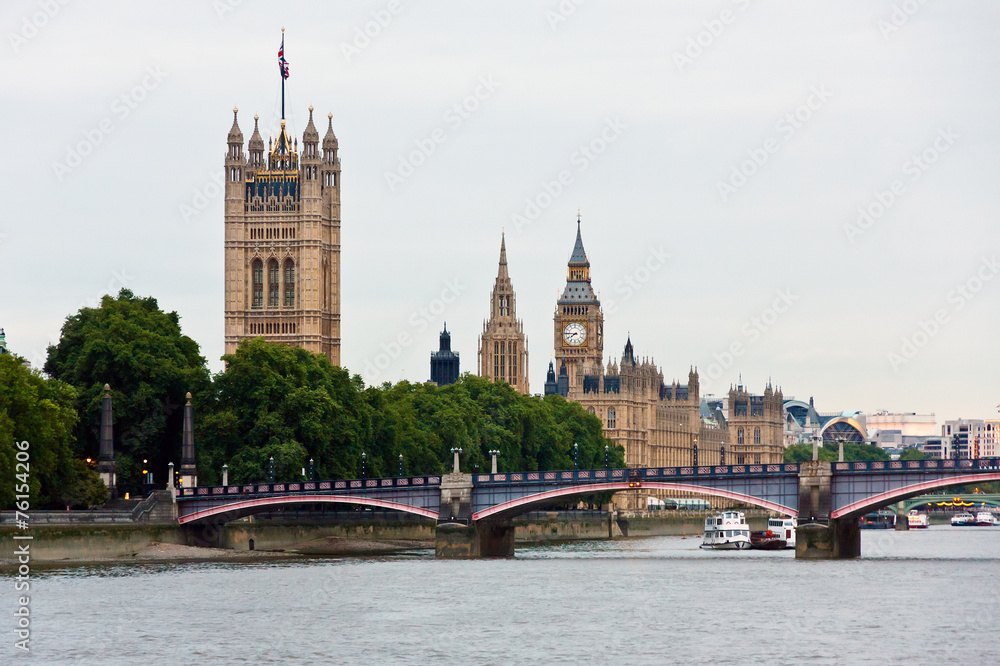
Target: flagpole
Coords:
[[282, 75]]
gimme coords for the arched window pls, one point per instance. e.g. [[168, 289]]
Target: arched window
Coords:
[[258, 283], [289, 283], [591, 410], [756, 436], [273, 288], [739, 436], [611, 417]]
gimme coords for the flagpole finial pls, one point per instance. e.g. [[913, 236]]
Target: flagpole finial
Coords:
[[282, 28]]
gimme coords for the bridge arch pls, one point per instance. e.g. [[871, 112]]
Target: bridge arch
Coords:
[[243, 508], [520, 505], [861, 507]]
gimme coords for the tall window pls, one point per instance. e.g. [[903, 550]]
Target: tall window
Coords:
[[513, 361], [611, 417], [739, 436], [496, 361], [273, 287], [257, 268], [289, 283], [756, 436]]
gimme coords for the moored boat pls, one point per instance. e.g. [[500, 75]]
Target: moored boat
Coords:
[[784, 528], [878, 520], [964, 519], [985, 519], [766, 541], [917, 520], [727, 530]]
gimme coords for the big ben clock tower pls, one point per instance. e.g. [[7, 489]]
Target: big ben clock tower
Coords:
[[579, 322]]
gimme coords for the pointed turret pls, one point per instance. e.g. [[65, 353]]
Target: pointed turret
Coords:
[[330, 143], [235, 138], [256, 145], [629, 353], [310, 140], [503, 347]]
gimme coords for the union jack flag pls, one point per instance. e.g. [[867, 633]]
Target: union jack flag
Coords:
[[282, 63]]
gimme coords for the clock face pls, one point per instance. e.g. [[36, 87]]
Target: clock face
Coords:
[[574, 334]]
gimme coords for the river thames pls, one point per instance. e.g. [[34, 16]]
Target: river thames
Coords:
[[919, 597]]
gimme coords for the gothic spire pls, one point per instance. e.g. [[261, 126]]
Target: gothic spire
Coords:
[[579, 256], [502, 271], [235, 135], [310, 135]]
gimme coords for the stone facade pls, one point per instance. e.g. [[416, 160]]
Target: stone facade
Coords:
[[282, 240], [503, 348]]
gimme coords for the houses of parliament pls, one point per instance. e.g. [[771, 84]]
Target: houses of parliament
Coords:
[[282, 282]]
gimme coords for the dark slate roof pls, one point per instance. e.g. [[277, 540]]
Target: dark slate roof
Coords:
[[579, 256]]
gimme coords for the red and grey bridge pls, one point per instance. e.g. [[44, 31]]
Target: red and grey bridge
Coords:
[[473, 512]]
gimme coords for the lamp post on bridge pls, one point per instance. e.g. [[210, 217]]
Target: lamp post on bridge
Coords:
[[312, 469], [364, 465], [576, 456], [722, 454], [607, 457], [225, 475], [493, 455], [694, 451], [401, 465], [270, 470], [456, 468]]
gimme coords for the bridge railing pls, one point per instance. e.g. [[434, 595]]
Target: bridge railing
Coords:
[[640, 473], [307, 487], [987, 464]]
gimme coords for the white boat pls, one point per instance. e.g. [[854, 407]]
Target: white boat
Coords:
[[784, 528], [917, 520], [985, 519], [727, 530], [963, 519]]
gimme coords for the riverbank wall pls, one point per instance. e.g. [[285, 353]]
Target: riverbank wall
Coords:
[[76, 543]]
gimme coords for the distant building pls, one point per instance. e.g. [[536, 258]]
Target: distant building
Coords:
[[803, 424], [444, 362], [900, 430], [962, 437], [503, 348], [3, 342]]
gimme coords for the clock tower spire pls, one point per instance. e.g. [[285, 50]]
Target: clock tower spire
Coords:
[[579, 322]]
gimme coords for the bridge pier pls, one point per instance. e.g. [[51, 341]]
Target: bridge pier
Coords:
[[902, 520], [841, 539], [484, 538], [818, 537]]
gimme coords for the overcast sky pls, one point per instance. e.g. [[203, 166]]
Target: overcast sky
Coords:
[[720, 153]]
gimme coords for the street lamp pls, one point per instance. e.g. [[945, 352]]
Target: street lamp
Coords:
[[456, 452], [270, 470], [576, 456], [695, 452], [225, 475], [312, 469], [607, 457], [400, 464], [493, 454], [722, 454], [364, 465]]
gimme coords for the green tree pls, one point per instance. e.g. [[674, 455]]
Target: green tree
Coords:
[[139, 350], [912, 453], [283, 401], [40, 412], [829, 452]]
